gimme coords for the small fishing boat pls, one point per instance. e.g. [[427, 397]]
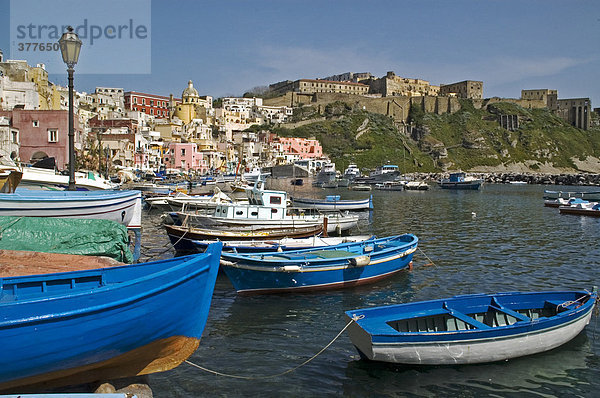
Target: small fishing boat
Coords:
[[558, 202], [360, 187], [266, 209], [461, 181], [581, 207], [185, 201], [338, 266], [470, 328], [334, 202], [592, 196], [390, 186], [183, 236], [279, 245], [416, 186], [84, 326], [351, 172], [44, 176], [123, 207]]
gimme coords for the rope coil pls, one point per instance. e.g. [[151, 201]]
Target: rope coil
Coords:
[[354, 319]]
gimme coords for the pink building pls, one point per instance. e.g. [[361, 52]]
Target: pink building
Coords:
[[301, 147], [43, 134], [185, 156]]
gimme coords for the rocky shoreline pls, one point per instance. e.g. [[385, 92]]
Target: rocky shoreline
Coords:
[[583, 179]]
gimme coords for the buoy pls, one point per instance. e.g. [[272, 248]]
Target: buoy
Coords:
[[473, 214], [410, 266]]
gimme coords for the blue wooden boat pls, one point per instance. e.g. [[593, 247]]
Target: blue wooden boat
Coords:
[[470, 328], [338, 266], [460, 181], [333, 203], [82, 326]]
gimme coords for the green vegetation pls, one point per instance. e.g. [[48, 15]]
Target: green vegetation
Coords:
[[463, 140]]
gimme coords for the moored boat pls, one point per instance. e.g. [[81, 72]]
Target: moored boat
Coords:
[[460, 181], [592, 196], [334, 202], [182, 237], [266, 209], [581, 207], [390, 186], [469, 329], [416, 186], [281, 245], [351, 172], [102, 324], [123, 207], [343, 265]]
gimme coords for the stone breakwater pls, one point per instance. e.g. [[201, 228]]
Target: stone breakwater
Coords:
[[530, 178]]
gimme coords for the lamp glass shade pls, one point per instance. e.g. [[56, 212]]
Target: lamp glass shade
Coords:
[[70, 44]]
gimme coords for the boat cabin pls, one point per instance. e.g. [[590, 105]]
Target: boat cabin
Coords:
[[385, 169], [262, 204], [457, 177]]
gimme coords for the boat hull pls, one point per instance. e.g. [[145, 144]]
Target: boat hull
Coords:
[[184, 238], [434, 345], [334, 205], [578, 211], [472, 185], [334, 223], [295, 272], [107, 323], [123, 207]]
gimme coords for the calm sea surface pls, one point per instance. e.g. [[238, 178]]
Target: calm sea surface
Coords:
[[500, 238]]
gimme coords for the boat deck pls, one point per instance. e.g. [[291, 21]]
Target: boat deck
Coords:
[[447, 319]]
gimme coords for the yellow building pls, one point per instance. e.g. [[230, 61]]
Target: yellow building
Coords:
[[191, 104]]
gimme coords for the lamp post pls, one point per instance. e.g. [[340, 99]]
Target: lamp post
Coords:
[[70, 44]]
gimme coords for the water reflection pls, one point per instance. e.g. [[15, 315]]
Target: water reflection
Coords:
[[543, 374], [512, 242]]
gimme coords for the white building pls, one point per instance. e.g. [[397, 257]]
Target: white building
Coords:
[[9, 140], [14, 93]]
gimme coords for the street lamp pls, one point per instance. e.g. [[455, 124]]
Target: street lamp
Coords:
[[70, 44]]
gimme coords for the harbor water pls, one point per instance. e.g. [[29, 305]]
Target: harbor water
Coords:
[[500, 238]]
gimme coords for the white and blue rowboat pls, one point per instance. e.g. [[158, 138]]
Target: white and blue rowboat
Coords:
[[338, 266], [123, 207], [280, 245], [334, 202], [470, 329]]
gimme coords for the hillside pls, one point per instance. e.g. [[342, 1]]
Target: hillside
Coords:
[[470, 139]]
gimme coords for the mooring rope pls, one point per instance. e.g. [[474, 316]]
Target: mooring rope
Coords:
[[354, 318], [427, 257], [168, 246]]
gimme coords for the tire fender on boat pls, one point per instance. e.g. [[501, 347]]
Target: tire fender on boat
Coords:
[[360, 261]]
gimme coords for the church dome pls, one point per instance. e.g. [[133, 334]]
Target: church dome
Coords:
[[189, 93]]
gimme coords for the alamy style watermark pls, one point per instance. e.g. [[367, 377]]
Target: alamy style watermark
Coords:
[[116, 35]]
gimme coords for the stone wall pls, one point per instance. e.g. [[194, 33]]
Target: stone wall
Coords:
[[395, 107]]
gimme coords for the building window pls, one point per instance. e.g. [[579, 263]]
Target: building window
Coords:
[[182, 151], [143, 101], [15, 137], [36, 123], [52, 135]]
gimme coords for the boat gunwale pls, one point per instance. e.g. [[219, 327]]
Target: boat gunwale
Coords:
[[120, 285], [372, 325], [259, 257], [304, 265], [473, 335]]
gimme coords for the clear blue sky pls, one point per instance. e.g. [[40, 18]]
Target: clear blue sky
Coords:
[[228, 47]]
